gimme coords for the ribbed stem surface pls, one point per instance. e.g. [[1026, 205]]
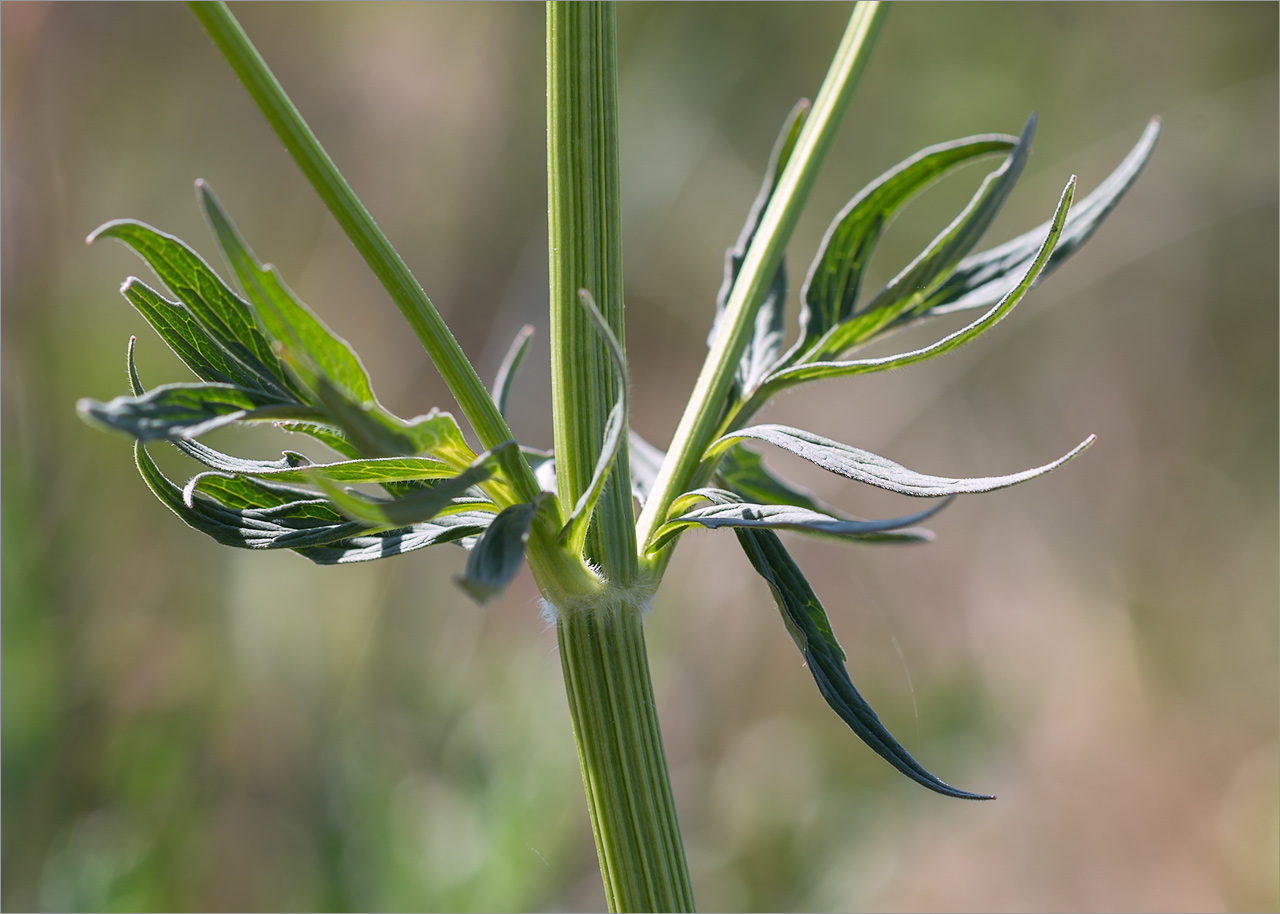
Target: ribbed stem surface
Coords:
[[583, 200], [624, 770]]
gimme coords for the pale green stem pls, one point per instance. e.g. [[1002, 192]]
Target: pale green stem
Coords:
[[602, 648], [585, 252], [698, 424], [458, 373]]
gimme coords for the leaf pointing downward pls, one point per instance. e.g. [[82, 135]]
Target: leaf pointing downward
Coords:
[[809, 627]]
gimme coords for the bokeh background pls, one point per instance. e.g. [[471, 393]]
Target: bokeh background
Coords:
[[191, 727]]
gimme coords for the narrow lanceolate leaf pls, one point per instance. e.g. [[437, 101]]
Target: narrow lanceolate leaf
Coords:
[[981, 279], [227, 319], [498, 554], [727, 511], [807, 622], [574, 532], [831, 289], [186, 337], [815, 370], [863, 466], [743, 472], [510, 365], [766, 340], [375, 472], [286, 319], [254, 515], [189, 410], [418, 506], [906, 291]]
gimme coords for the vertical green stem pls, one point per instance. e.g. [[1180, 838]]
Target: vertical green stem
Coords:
[[585, 227], [602, 646], [624, 772]]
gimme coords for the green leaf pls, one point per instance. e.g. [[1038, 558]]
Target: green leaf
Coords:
[[831, 288], [911, 286], [863, 466], [188, 410], [981, 279], [814, 370], [510, 365], [497, 556], [256, 515], [224, 316], [574, 532], [418, 506], [766, 340], [286, 319], [807, 622], [186, 337], [727, 511], [743, 472]]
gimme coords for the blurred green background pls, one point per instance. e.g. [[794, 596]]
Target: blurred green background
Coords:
[[192, 727]]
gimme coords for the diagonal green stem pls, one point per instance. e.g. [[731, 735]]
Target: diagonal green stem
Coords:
[[458, 373], [698, 424]]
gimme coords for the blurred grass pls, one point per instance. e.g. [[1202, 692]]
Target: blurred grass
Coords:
[[189, 727]]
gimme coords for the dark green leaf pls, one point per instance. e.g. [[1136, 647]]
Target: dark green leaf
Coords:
[[806, 620], [574, 532], [510, 365], [863, 466], [981, 279], [497, 556], [831, 289], [906, 291], [814, 370], [227, 319]]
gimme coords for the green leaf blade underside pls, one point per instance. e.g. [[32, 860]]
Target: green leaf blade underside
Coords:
[[498, 554], [983, 278], [807, 622], [223, 315], [830, 290], [863, 466], [732, 513], [189, 410], [815, 370]]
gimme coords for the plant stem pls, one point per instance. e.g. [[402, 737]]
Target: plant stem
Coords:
[[602, 649], [458, 373], [701, 415], [624, 771], [585, 235]]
